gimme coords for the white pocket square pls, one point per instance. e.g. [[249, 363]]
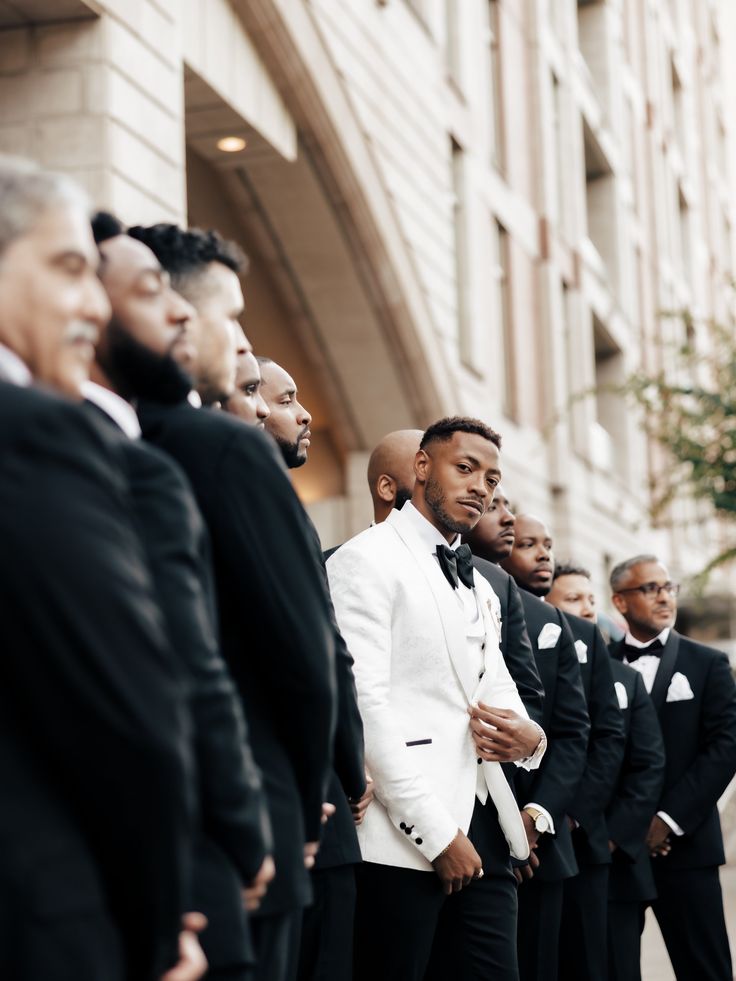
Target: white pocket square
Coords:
[[582, 648], [623, 698], [679, 690], [548, 636]]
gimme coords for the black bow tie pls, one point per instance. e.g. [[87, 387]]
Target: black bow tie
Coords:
[[457, 565], [631, 653]]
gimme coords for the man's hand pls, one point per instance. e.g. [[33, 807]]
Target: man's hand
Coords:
[[254, 893], [310, 853], [532, 835], [657, 840], [360, 806], [459, 865], [524, 872], [192, 963], [501, 735], [327, 811]]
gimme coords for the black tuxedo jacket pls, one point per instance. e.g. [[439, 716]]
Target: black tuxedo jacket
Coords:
[[515, 645], [274, 618], [339, 844], [95, 820], [235, 832], [700, 748], [565, 721], [637, 790], [605, 745]]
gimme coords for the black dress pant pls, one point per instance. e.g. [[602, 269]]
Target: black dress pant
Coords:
[[276, 942], [584, 925], [540, 912], [326, 952], [625, 923], [400, 913], [689, 910]]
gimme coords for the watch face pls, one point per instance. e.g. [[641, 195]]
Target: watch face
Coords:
[[541, 824]]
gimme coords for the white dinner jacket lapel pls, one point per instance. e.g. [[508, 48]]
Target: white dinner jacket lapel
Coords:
[[451, 615]]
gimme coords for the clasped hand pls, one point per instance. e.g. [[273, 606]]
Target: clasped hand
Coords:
[[502, 735]]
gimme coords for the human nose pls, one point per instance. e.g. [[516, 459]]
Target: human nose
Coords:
[[508, 520], [304, 417], [262, 409], [180, 310], [96, 307]]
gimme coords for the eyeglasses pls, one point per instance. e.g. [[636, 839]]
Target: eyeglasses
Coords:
[[653, 589]]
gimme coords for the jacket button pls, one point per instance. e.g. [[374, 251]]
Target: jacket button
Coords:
[[418, 841], [407, 831], [481, 674], [402, 826], [480, 760]]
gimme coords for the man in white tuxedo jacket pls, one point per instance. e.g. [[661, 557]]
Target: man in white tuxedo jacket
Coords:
[[441, 713]]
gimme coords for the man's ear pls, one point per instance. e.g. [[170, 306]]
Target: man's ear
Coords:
[[619, 602], [386, 489], [421, 465]]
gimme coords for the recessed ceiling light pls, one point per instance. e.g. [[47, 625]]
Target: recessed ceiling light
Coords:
[[231, 144]]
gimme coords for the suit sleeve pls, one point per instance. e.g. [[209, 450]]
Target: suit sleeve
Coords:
[[366, 626], [349, 757], [263, 536], [556, 782], [519, 657], [605, 741], [642, 774], [691, 799], [233, 805], [95, 674]]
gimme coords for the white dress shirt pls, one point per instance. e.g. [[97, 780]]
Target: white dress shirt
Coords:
[[12, 369], [121, 412], [647, 666]]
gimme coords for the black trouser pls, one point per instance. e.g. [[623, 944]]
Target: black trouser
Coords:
[[583, 929], [402, 912], [624, 940], [540, 912], [276, 942], [326, 952], [689, 910]]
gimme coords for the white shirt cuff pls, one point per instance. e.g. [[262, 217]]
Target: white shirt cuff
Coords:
[[532, 762], [542, 810], [671, 822]]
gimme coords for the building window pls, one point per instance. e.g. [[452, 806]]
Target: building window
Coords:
[[507, 372], [608, 438], [600, 200], [498, 149]]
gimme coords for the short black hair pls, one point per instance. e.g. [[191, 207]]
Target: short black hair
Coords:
[[188, 252], [105, 226], [569, 569], [444, 429]]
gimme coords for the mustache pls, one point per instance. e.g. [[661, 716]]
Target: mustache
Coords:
[[81, 330]]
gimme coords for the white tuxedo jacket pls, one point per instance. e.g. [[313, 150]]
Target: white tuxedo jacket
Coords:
[[407, 634]]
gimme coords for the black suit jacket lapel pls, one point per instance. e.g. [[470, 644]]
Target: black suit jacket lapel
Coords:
[[665, 671], [616, 650]]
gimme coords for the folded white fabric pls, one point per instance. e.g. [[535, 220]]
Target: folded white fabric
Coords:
[[548, 636], [623, 698], [679, 690]]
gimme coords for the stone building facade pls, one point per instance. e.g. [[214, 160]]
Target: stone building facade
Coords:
[[477, 206]]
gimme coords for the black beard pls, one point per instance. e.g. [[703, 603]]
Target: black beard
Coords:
[[139, 373], [293, 456], [402, 496], [435, 498]]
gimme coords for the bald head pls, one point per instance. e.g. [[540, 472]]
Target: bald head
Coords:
[[391, 471], [531, 561]]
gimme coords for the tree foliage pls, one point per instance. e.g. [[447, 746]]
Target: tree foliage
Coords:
[[689, 408]]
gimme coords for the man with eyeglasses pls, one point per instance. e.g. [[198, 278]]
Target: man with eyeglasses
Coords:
[[693, 692]]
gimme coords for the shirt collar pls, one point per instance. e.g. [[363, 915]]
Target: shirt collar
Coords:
[[13, 369], [429, 535], [121, 412], [633, 642]]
